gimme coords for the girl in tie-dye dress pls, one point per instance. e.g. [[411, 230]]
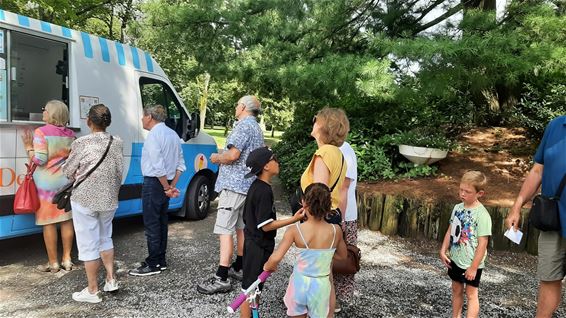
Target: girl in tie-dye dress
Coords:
[[318, 243], [48, 147]]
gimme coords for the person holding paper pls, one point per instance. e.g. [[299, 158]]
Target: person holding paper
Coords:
[[466, 241], [548, 170]]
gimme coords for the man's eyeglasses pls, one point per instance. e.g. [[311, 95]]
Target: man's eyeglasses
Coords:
[[314, 119], [43, 109]]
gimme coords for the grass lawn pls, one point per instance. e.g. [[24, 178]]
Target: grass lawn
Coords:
[[218, 134]]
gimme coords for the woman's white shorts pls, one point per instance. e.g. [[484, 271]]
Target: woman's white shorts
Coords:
[[93, 230]]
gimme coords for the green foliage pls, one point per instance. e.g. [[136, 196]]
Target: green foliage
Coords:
[[373, 162], [293, 159], [410, 170], [277, 114], [422, 138], [390, 66], [107, 18], [537, 106]]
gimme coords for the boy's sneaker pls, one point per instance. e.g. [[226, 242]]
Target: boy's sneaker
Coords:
[[144, 271], [214, 285], [161, 267], [85, 296], [237, 275], [111, 286]]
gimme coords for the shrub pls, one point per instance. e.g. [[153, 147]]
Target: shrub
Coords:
[[410, 170], [293, 159], [538, 106], [422, 137], [373, 162]]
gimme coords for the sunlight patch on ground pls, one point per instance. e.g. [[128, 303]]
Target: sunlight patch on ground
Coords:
[[494, 278], [181, 231]]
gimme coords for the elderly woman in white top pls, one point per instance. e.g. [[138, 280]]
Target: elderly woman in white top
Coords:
[[95, 199]]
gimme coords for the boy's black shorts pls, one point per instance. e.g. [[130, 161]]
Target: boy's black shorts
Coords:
[[457, 275], [255, 256]]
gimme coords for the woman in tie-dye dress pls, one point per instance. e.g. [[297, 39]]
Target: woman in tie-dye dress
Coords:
[[48, 147], [308, 293]]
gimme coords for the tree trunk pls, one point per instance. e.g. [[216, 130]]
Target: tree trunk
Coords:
[[110, 26], [203, 99], [226, 129], [486, 100], [127, 15]]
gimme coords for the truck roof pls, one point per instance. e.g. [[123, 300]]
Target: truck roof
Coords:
[[93, 47]]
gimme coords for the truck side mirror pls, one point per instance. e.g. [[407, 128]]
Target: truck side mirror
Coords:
[[193, 127]]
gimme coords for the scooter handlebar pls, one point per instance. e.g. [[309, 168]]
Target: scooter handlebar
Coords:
[[236, 303]]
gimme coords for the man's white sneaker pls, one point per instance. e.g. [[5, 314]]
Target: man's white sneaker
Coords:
[[111, 286], [85, 296]]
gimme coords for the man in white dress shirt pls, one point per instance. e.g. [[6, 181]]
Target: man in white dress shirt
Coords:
[[162, 163]]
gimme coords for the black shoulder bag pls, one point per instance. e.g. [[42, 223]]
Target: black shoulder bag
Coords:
[[545, 214], [63, 197]]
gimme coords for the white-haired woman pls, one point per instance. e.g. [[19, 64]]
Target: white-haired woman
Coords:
[[48, 147]]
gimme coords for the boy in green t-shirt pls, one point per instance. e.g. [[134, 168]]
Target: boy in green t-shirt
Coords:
[[466, 241]]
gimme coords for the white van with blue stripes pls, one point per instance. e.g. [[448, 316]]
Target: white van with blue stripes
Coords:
[[40, 61]]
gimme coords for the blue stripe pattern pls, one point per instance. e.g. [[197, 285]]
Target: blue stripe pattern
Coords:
[[45, 26], [148, 62], [2, 16], [87, 45], [23, 21], [66, 32], [104, 49], [135, 57], [120, 53]]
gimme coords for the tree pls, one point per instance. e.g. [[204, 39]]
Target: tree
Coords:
[[101, 17]]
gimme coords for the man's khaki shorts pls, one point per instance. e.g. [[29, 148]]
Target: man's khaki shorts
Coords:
[[551, 257], [230, 212]]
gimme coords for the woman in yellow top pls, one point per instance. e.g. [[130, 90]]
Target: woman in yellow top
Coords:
[[330, 128]]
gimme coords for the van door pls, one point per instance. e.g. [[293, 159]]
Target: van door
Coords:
[[154, 91]]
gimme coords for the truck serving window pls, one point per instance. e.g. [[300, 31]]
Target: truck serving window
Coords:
[[156, 92], [3, 76], [37, 72]]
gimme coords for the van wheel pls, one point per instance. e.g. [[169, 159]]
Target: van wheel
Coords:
[[197, 200]]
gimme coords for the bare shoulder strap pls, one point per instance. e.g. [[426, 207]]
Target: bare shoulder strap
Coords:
[[334, 235], [301, 234]]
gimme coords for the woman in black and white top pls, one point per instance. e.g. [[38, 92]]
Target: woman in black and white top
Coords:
[[95, 200]]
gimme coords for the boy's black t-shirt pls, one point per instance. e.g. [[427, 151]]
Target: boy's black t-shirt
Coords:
[[259, 211]]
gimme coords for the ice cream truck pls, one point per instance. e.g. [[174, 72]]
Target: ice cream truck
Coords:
[[40, 61]]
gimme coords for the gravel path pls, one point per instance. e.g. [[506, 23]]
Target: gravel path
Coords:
[[399, 278]]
